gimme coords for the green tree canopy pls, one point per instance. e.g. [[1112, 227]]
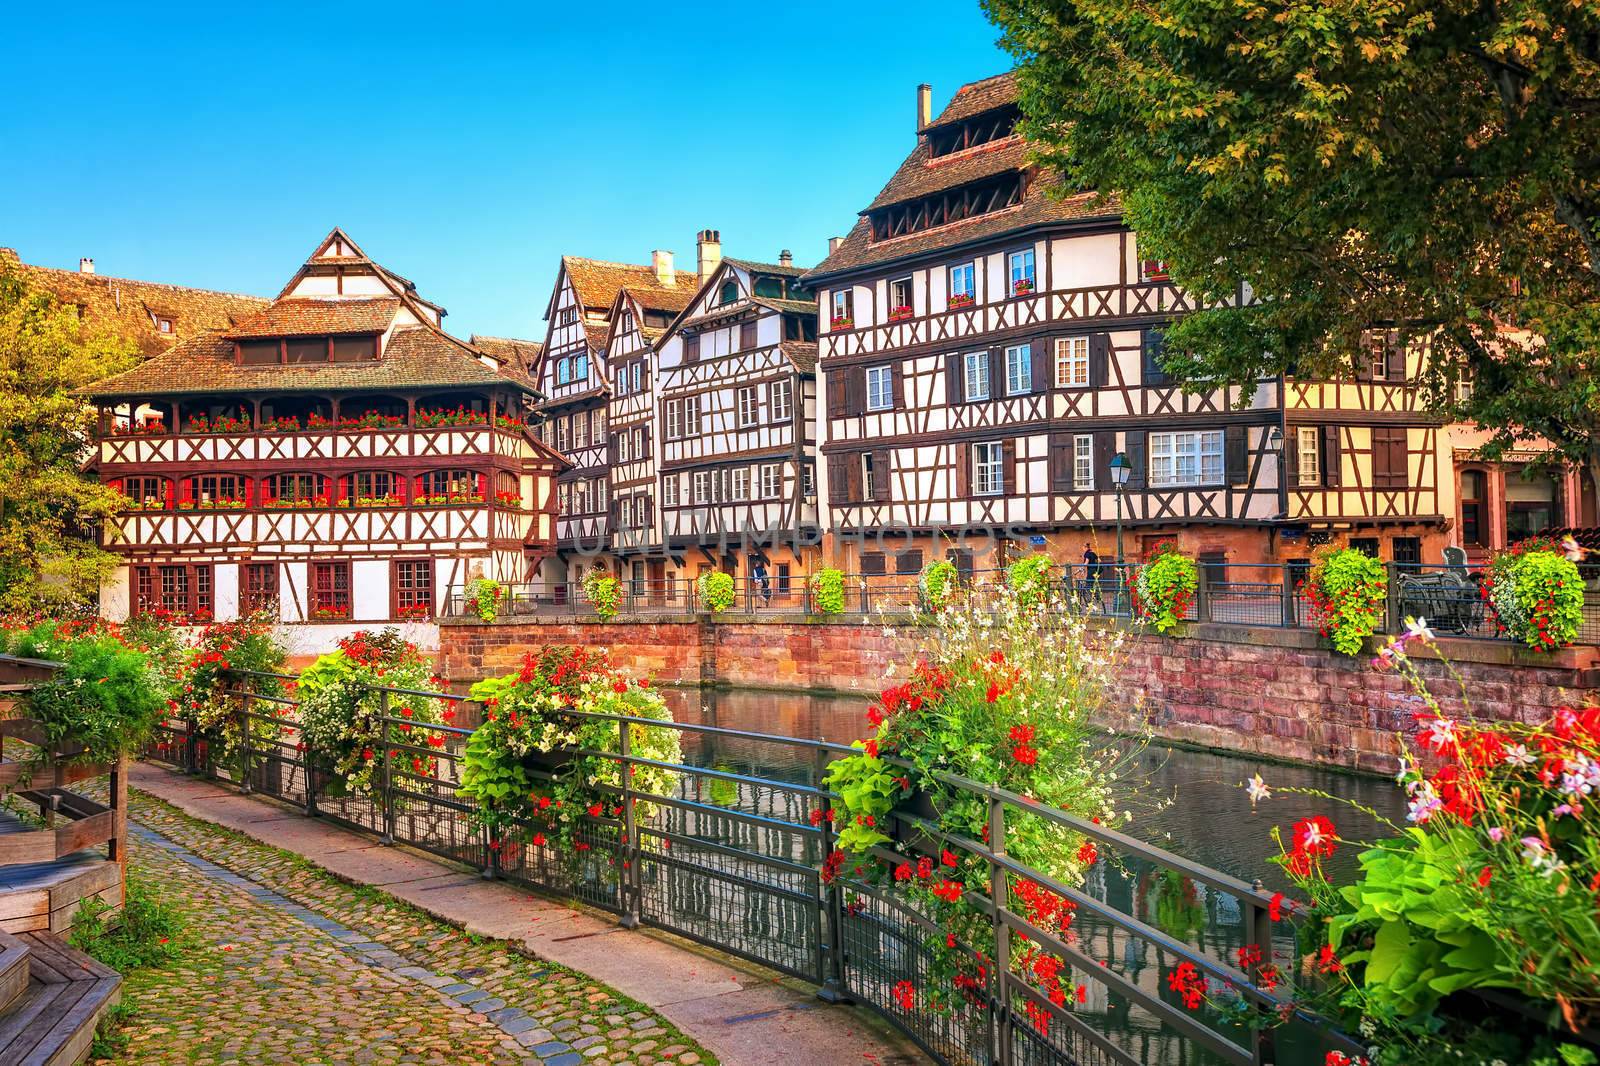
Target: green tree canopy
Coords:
[[48, 556], [1427, 166]]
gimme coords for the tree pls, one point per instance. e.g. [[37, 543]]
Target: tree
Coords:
[[49, 560], [1427, 168]]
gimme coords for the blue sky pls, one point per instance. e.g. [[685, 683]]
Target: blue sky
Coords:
[[465, 147]]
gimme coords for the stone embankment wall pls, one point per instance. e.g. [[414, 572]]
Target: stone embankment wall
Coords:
[[1271, 692]]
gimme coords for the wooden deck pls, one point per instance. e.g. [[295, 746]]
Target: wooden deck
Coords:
[[44, 896], [51, 1019]]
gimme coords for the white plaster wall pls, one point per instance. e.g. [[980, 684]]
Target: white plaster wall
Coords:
[[225, 592], [369, 589], [114, 595], [292, 605]]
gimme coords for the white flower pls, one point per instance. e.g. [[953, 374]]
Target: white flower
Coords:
[[1441, 734], [1574, 551], [1518, 755], [1258, 790], [1417, 629], [1424, 803]]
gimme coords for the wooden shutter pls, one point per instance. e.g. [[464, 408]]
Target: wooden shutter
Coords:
[[1395, 358], [1135, 447], [1061, 455], [897, 386], [954, 392], [1389, 459], [856, 390], [963, 471], [691, 349], [747, 335], [1099, 359], [852, 471], [837, 406], [1235, 455], [1040, 352], [1153, 372], [997, 372], [1008, 467], [880, 475], [838, 479], [1329, 457], [1105, 446], [1291, 456]]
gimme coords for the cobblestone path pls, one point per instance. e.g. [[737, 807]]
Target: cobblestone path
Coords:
[[292, 966]]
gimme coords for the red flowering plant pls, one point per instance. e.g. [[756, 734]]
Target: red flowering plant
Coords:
[[1492, 888], [1347, 590], [1002, 691], [1536, 592], [522, 771], [210, 670], [341, 712], [441, 417]]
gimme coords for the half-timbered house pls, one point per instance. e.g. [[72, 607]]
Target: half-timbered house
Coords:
[[988, 346], [736, 416], [574, 378], [335, 457]]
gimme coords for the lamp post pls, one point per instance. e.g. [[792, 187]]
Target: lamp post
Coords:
[[1121, 469]]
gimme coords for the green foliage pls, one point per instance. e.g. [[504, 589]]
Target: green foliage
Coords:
[[485, 594], [827, 591], [604, 593], [1165, 587], [1029, 578], [940, 580], [251, 644], [868, 790], [1347, 590], [49, 560], [716, 591], [148, 932], [1537, 596], [1403, 161], [106, 699]]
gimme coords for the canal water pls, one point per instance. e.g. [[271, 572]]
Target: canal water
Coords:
[[1188, 802]]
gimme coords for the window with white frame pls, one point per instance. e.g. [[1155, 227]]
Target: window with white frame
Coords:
[[638, 374], [880, 388], [622, 382], [564, 497], [771, 480], [900, 298], [1309, 454], [988, 468], [977, 375], [808, 481], [600, 493], [691, 416], [1019, 267], [669, 490], [580, 431], [597, 422], [963, 288], [741, 483], [1072, 362], [843, 314], [869, 475], [780, 399], [749, 405], [1186, 458], [580, 368], [624, 447], [674, 419], [1019, 369], [625, 512], [1083, 462], [562, 434], [580, 503], [702, 486]]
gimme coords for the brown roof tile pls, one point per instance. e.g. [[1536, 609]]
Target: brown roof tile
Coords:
[[509, 349], [131, 307], [921, 176], [415, 357], [598, 282], [303, 317], [803, 354], [789, 270], [976, 97]]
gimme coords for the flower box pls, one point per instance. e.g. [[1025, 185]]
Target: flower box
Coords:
[[842, 323], [897, 314], [960, 300], [330, 614], [1021, 287]]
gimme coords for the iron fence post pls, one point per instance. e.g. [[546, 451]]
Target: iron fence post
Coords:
[[631, 851], [830, 946], [244, 740], [1202, 597], [1393, 589], [998, 898], [1264, 1047], [1291, 614], [306, 766], [388, 767]]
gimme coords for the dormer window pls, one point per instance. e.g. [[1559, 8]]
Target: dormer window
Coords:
[[969, 133], [302, 350], [951, 205], [163, 325], [729, 293]]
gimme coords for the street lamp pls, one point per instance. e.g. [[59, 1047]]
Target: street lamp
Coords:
[[1121, 470]]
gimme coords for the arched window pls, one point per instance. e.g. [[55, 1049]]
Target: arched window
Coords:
[[1474, 509], [290, 414], [295, 490], [580, 368], [372, 412], [218, 492], [452, 409], [450, 486], [563, 371], [371, 488]]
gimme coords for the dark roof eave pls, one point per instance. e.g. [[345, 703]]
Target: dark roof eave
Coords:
[[1087, 222], [89, 392]]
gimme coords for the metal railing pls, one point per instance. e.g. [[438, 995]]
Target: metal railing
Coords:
[[731, 859], [1452, 599]]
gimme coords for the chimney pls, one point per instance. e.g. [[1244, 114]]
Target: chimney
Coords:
[[833, 244], [86, 266], [708, 244], [924, 106], [786, 258], [662, 262]]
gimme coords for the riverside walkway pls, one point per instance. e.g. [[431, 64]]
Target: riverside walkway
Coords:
[[301, 961]]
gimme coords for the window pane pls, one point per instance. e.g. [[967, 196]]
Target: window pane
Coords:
[[354, 349], [308, 350], [258, 353]]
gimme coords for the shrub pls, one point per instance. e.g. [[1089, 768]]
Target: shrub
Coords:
[[248, 644], [519, 796], [827, 591], [604, 593], [341, 716], [1029, 578], [485, 594], [103, 703], [1165, 587], [716, 591], [1537, 596], [940, 580], [1347, 590]]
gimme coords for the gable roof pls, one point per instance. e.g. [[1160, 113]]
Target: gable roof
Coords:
[[131, 307], [509, 350], [597, 283], [788, 270], [922, 175], [295, 317]]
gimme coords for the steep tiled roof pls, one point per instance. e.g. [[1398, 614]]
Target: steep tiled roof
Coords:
[[416, 357], [597, 283], [798, 307], [921, 175], [803, 354], [303, 317], [785, 270], [510, 349], [131, 307]]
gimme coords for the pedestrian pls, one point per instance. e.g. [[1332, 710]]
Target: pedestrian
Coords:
[[758, 575]]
